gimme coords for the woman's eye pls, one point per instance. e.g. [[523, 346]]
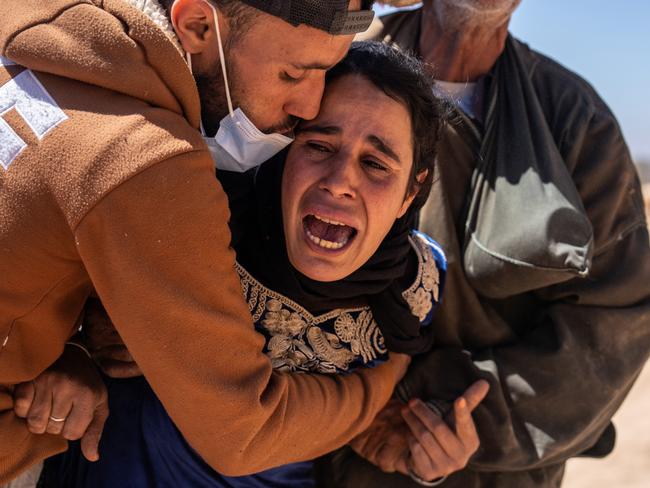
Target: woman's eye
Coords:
[[318, 147], [374, 165]]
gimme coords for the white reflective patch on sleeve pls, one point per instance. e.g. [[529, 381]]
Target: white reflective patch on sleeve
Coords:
[[10, 145], [6, 62], [34, 104]]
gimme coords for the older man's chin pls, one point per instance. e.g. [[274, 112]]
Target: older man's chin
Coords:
[[457, 14]]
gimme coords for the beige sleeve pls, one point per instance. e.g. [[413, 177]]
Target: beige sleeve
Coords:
[[157, 251]]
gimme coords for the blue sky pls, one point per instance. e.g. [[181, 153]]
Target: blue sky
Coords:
[[606, 42]]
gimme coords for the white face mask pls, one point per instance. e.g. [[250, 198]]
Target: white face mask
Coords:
[[238, 145]]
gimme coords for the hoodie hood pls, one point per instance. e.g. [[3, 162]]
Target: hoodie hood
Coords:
[[158, 14], [122, 45]]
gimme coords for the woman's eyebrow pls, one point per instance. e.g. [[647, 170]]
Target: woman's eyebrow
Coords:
[[383, 147], [375, 141], [320, 129]]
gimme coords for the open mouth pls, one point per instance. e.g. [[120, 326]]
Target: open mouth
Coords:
[[326, 233]]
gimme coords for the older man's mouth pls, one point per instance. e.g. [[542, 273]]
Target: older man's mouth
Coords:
[[327, 233]]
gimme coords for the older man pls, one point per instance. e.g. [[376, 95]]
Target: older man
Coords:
[[107, 183], [539, 209]]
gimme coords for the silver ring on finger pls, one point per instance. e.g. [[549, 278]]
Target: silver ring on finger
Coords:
[[57, 419], [420, 481]]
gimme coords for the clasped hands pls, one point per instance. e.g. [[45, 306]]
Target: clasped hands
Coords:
[[413, 438], [68, 399]]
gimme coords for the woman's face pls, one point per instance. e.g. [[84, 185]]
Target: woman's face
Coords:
[[345, 179]]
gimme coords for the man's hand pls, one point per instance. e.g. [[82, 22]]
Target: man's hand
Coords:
[[436, 448], [106, 345], [68, 399], [385, 442], [420, 439]]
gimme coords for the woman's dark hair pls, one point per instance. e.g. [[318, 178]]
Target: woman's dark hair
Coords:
[[403, 78]]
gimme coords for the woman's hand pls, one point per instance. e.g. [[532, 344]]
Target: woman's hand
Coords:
[[105, 344], [436, 448], [403, 438], [385, 442], [68, 399]]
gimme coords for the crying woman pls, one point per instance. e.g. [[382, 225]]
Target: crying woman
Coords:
[[334, 274]]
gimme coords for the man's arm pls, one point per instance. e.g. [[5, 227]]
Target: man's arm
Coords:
[[555, 388], [157, 250]]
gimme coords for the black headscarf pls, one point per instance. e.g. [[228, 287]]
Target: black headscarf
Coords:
[[259, 241]]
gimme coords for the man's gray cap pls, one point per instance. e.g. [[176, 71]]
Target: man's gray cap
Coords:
[[331, 16]]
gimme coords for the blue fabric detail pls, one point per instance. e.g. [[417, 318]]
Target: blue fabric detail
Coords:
[[441, 263], [141, 447]]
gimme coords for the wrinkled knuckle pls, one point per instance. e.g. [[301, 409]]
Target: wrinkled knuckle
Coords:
[[73, 434], [66, 390], [35, 418], [52, 428], [420, 431], [427, 438], [439, 431], [84, 410], [21, 404], [385, 460], [36, 426], [35, 430]]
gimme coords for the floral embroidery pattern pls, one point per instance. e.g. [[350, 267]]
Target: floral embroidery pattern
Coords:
[[281, 321], [299, 341], [336, 341], [362, 334], [328, 347], [426, 288]]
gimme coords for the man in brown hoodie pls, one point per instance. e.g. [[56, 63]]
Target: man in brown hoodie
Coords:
[[107, 184]]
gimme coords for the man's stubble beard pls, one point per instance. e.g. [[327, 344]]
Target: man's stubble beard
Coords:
[[212, 93], [457, 15], [214, 104]]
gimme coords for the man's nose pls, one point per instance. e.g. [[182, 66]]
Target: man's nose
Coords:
[[340, 179], [305, 98]]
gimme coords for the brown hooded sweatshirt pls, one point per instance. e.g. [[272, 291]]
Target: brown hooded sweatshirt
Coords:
[[105, 182]]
